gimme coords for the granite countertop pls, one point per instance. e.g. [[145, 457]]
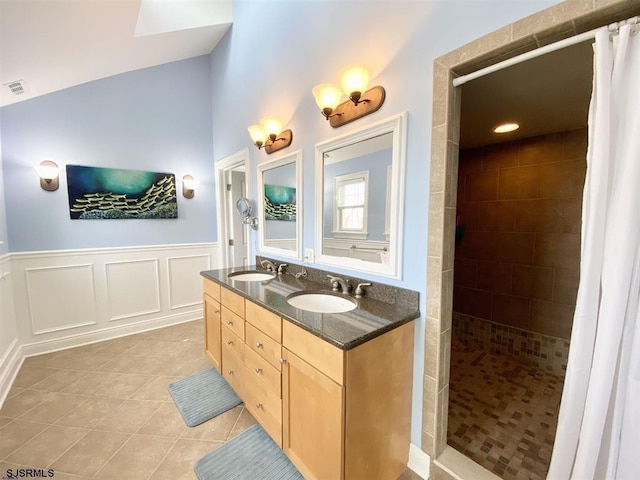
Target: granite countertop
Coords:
[[368, 320]]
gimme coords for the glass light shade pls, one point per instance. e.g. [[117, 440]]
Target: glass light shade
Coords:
[[189, 182], [355, 78], [271, 126], [47, 170], [257, 134], [327, 95]]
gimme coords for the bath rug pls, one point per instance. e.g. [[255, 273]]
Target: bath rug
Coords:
[[203, 396], [252, 455]]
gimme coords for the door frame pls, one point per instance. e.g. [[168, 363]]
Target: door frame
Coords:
[[223, 207]]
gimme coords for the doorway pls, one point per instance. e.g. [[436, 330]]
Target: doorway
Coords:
[[535, 31], [232, 183]]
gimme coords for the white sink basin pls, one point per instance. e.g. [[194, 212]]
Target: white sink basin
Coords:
[[321, 302], [251, 276]]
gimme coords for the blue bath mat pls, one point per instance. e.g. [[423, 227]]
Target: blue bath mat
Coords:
[[252, 455], [202, 396]]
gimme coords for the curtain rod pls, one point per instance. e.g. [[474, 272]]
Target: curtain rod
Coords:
[[552, 47]]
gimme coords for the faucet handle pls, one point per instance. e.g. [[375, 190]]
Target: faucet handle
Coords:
[[268, 265], [334, 282], [360, 290], [281, 268]]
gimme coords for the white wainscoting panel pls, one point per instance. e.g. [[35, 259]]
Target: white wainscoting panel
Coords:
[[61, 297], [185, 282], [133, 288]]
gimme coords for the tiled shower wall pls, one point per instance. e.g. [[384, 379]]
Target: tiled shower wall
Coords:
[[519, 203]]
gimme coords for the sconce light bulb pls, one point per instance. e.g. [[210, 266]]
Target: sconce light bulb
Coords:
[[257, 135], [271, 126], [355, 79], [327, 97], [47, 170]]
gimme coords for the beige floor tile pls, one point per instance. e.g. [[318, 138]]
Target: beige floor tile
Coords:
[[4, 421], [91, 384], [55, 406], [90, 453], [138, 458], [91, 412], [21, 403], [217, 429], [123, 385], [15, 434], [409, 475], [43, 449], [87, 361], [59, 380], [42, 360], [245, 420], [129, 416], [32, 374], [156, 390], [14, 391], [178, 465], [165, 422]]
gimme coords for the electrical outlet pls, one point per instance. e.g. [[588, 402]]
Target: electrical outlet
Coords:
[[309, 255]]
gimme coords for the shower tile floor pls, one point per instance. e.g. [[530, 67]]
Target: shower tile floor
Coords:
[[502, 413]]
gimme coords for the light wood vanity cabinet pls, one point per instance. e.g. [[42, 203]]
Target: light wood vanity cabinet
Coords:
[[212, 340], [337, 414]]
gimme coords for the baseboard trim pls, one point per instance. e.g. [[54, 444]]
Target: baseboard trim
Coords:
[[10, 364], [77, 340], [419, 461]]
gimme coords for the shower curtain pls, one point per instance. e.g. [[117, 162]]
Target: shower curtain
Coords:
[[598, 434]]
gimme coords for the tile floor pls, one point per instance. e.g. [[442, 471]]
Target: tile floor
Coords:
[[502, 413], [102, 411]]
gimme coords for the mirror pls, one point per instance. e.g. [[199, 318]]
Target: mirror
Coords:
[[280, 205], [360, 197], [245, 209]]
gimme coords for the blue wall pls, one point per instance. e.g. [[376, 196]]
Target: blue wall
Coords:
[[4, 248], [156, 119]]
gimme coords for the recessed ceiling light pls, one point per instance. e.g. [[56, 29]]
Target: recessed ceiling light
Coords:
[[506, 127]]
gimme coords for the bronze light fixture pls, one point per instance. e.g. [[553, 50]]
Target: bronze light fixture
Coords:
[[269, 135], [355, 80], [189, 185], [49, 175]]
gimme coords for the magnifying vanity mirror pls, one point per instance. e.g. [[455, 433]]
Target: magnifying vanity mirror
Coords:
[[280, 205], [245, 210], [360, 198]]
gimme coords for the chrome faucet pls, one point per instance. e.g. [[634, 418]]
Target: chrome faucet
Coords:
[[360, 289], [268, 265], [338, 284], [281, 268]]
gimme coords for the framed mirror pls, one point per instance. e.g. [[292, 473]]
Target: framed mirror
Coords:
[[280, 205], [360, 198]]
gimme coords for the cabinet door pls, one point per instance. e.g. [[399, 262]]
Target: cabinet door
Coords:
[[313, 423], [212, 335]]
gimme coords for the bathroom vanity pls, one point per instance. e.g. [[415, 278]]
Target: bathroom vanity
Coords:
[[333, 390]]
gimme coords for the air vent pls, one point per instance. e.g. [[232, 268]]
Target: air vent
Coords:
[[17, 87]]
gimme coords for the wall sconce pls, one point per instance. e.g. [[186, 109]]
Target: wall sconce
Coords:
[[269, 135], [355, 80], [49, 175], [189, 185]]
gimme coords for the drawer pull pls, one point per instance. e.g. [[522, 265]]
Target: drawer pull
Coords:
[[258, 370], [258, 345], [229, 322], [282, 360], [216, 311], [258, 405], [230, 372], [229, 342]]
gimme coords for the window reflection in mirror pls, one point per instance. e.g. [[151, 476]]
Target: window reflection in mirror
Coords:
[[356, 178], [359, 198], [279, 183]]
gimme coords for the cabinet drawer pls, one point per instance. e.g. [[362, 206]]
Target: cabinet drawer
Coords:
[[234, 343], [233, 322], [261, 371], [264, 320], [212, 330], [212, 289], [233, 370], [264, 346], [266, 407], [320, 354], [232, 301]]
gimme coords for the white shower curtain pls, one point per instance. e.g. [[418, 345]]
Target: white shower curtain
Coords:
[[598, 434]]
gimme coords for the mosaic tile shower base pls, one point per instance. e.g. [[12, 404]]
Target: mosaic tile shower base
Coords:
[[502, 413], [542, 351]]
